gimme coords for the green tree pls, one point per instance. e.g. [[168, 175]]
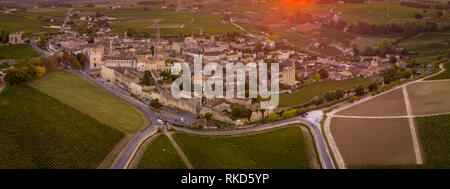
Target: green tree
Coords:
[[373, 86], [147, 80], [272, 117], [323, 73], [208, 115], [385, 47], [359, 90], [155, 104], [289, 113]]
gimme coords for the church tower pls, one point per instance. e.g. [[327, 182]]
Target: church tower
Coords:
[[158, 50]]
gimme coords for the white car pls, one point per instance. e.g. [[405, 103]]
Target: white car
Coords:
[[182, 120], [160, 121]]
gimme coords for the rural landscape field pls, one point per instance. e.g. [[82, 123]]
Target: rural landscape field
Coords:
[[352, 84]]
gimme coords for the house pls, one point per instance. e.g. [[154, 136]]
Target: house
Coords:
[[15, 38]]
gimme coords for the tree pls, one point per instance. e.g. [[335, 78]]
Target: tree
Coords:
[[155, 104], [272, 117], [339, 93], [247, 113], [236, 111], [359, 90], [373, 86], [418, 16], [392, 60], [21, 74], [289, 113], [385, 47], [208, 115], [147, 80], [317, 77], [323, 73], [5, 36], [368, 51], [330, 96]]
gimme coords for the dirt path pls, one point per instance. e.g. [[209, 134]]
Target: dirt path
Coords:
[[179, 150], [412, 127]]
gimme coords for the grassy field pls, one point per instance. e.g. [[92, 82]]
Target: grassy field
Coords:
[[170, 22], [17, 52], [318, 89], [373, 141], [283, 148], [38, 131], [429, 97], [443, 75], [427, 42], [27, 22], [160, 154], [389, 104], [90, 99]]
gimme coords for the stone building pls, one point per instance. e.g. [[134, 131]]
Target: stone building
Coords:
[[288, 74], [96, 56], [15, 38]]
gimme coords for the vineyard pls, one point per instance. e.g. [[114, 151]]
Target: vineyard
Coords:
[[38, 131], [434, 133]]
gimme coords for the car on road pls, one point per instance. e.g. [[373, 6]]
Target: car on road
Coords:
[[182, 120], [160, 121]]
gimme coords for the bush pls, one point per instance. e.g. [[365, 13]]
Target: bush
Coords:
[[272, 117], [208, 115], [289, 113], [359, 90], [155, 104]]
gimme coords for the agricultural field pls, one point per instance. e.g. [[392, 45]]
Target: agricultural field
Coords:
[[373, 141], [91, 100], [434, 136], [169, 21], [388, 104], [39, 132], [277, 149], [16, 52], [429, 97], [160, 154], [27, 22], [318, 89], [376, 12], [363, 42], [443, 75], [427, 42]]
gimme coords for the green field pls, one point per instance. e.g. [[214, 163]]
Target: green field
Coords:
[[38, 131], [434, 134], [90, 99], [283, 148], [305, 94], [160, 154], [16, 52], [444, 75], [27, 22], [169, 21], [427, 42]]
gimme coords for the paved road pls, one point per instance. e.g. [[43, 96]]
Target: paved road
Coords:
[[324, 154], [43, 52], [128, 152]]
